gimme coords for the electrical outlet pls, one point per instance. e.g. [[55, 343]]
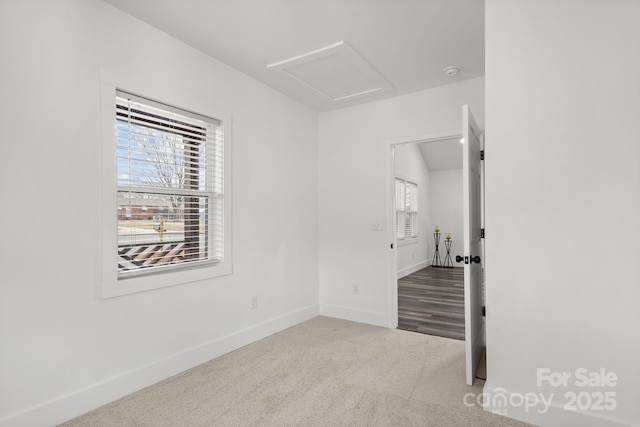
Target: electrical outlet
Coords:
[[356, 289], [254, 302]]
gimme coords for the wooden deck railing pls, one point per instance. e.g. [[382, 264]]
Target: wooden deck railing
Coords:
[[136, 256]]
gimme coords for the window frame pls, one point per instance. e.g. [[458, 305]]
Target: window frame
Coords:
[[132, 112], [405, 213], [112, 285]]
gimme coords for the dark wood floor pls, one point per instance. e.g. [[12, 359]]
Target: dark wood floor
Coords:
[[431, 301]]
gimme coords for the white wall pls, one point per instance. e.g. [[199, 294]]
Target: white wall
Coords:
[[65, 350], [445, 211], [413, 254], [563, 201], [354, 153]]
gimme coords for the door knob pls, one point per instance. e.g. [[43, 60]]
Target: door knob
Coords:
[[466, 260]]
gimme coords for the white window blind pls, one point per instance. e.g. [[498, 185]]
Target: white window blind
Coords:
[[406, 196], [411, 223], [169, 166]]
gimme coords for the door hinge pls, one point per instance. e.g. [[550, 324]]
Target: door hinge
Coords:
[[481, 154], [482, 233], [484, 311]]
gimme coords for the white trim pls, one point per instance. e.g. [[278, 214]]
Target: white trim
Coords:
[[432, 137], [78, 402], [556, 415], [413, 268], [408, 241], [353, 314], [126, 80], [392, 260]]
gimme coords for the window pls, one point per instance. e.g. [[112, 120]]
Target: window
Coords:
[[169, 173], [406, 209]]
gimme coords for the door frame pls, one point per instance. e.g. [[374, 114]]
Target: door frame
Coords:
[[392, 259]]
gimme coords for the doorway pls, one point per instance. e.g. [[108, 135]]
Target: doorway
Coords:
[[473, 254], [428, 234]]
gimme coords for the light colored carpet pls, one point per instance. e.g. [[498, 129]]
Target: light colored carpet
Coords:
[[323, 372]]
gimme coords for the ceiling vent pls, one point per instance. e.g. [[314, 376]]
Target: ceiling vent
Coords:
[[336, 72]]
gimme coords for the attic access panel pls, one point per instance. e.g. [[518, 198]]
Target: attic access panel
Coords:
[[337, 72]]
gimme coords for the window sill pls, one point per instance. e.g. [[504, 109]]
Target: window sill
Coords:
[[114, 287], [406, 242]]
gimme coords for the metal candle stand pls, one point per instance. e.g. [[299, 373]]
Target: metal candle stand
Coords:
[[436, 256], [448, 262]]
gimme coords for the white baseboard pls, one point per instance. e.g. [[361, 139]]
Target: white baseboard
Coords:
[[500, 401], [413, 268], [71, 405], [353, 314]]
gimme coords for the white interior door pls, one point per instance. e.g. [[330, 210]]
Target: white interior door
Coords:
[[471, 205]]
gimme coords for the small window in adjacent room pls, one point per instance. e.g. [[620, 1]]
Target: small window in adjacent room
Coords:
[[406, 209], [169, 173]]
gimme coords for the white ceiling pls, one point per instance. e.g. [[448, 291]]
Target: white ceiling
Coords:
[[442, 155], [408, 42]]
